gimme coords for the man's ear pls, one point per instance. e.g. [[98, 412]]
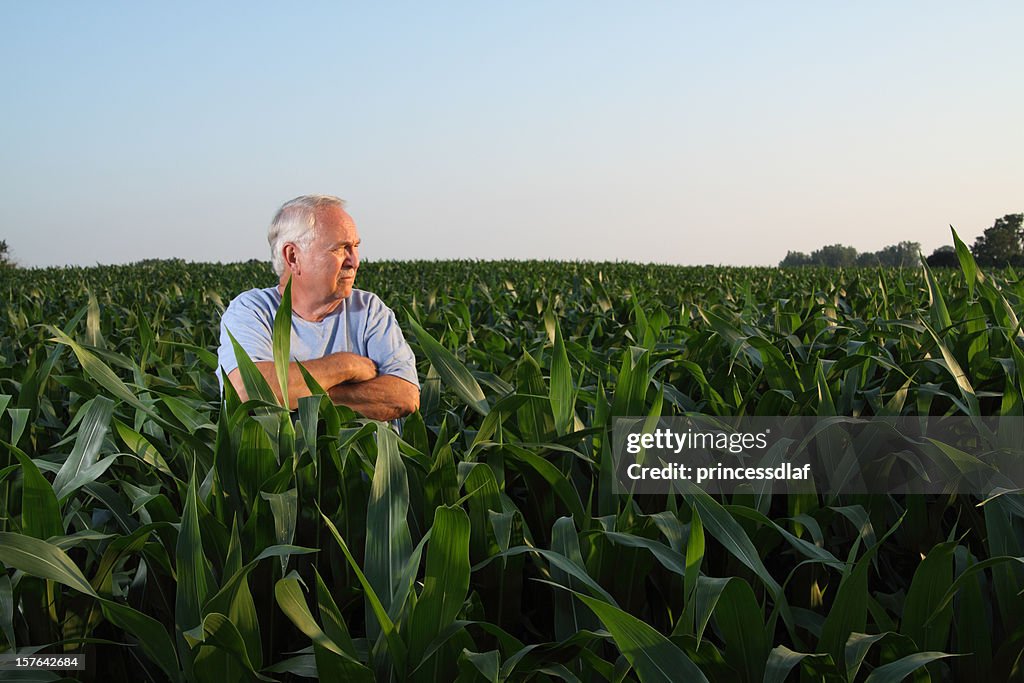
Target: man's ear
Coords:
[[291, 257]]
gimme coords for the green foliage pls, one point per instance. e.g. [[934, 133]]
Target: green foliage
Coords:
[[1002, 244], [225, 541], [943, 257], [902, 255]]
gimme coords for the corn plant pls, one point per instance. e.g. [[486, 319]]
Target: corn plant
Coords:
[[172, 533]]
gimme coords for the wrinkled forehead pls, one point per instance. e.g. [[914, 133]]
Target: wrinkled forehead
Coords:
[[333, 224]]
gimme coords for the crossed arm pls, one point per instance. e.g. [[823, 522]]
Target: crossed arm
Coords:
[[350, 379]]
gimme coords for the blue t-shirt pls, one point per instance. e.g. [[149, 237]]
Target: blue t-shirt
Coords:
[[360, 324]]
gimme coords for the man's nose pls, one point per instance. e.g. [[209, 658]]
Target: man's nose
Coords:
[[351, 258]]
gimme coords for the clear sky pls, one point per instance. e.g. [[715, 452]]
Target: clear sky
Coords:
[[655, 131]]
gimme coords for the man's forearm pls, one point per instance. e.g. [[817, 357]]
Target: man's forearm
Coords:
[[383, 398], [333, 369]]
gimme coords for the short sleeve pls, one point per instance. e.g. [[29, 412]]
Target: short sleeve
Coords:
[[250, 330], [386, 345]]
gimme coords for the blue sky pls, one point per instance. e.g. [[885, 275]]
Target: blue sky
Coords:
[[652, 131]]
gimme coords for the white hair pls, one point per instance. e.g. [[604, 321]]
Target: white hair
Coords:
[[295, 222]]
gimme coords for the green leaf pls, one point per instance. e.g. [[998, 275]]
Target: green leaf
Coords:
[[562, 396], [536, 421], [557, 561], [407, 581], [396, 648], [150, 634], [292, 602], [694, 558], [45, 560], [193, 572], [75, 472], [857, 646], [100, 372], [40, 511], [805, 548], [453, 373], [971, 406], [255, 383], [570, 615], [442, 484], [285, 508], [118, 549], [669, 559], [558, 482], [282, 337], [931, 580], [192, 419], [218, 631], [302, 665], [720, 524], [235, 599], [388, 540], [967, 576], [741, 624], [93, 337], [705, 598], [334, 623], [653, 656], [7, 610], [255, 460], [485, 663], [19, 420], [631, 384], [309, 420], [848, 613], [781, 661], [901, 668], [446, 582], [142, 447], [207, 357], [940, 314], [333, 662], [967, 263]]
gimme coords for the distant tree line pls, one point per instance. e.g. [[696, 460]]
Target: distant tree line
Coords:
[[999, 246], [902, 255]]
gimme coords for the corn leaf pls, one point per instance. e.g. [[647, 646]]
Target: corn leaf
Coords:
[[453, 373], [39, 558], [653, 656]]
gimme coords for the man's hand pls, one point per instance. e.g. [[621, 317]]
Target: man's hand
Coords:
[[333, 369], [385, 398]]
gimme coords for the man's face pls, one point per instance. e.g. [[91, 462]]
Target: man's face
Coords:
[[329, 264]]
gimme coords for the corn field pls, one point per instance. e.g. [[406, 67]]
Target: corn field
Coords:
[[171, 535]]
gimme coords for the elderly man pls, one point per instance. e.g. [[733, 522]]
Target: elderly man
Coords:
[[346, 338]]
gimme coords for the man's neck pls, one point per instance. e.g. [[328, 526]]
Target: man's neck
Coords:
[[313, 311]]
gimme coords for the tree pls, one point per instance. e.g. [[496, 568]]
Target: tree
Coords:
[[835, 256], [1002, 244], [795, 258], [902, 255], [943, 257], [5, 257]]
